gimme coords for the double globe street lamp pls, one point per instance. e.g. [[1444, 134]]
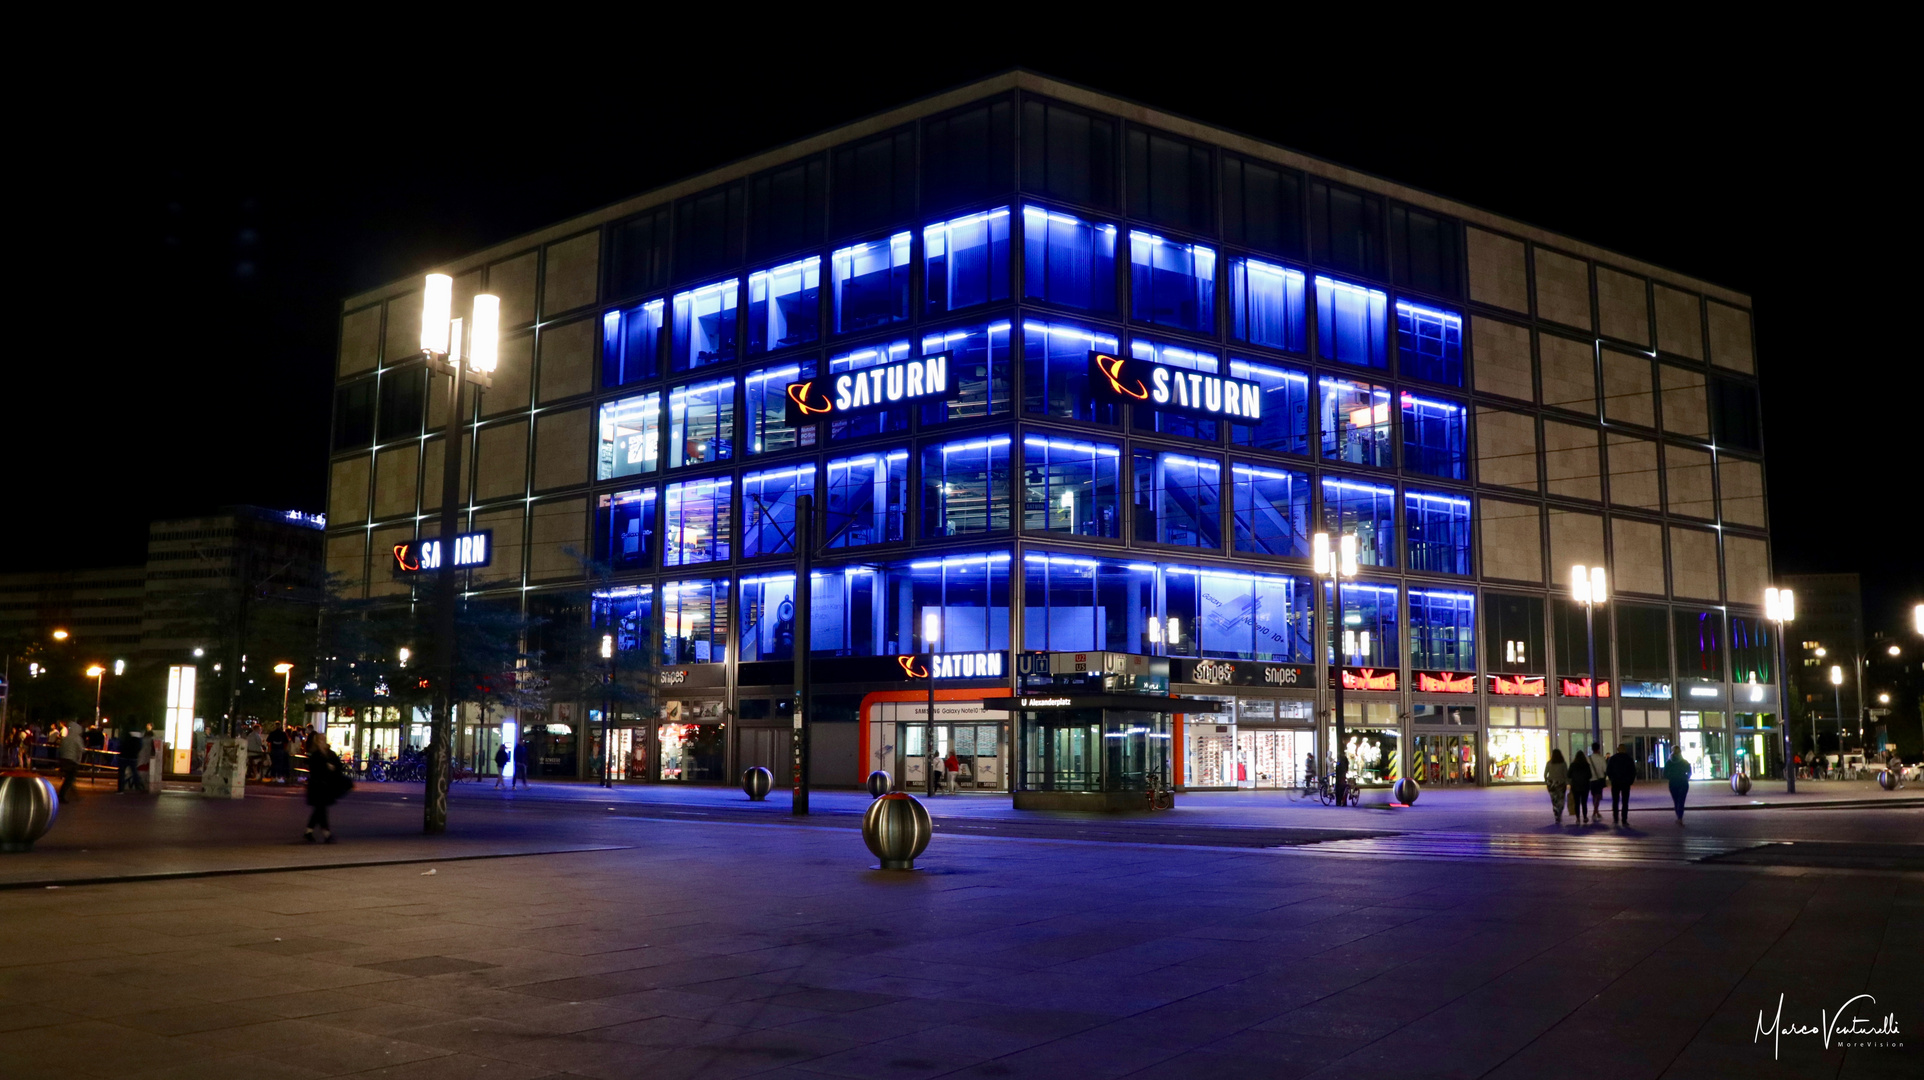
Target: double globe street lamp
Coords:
[[1335, 566], [1587, 587]]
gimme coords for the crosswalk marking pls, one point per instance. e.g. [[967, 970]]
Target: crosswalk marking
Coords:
[[1462, 845]]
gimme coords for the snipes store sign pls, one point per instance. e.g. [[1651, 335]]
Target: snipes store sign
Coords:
[[926, 378], [1171, 389]]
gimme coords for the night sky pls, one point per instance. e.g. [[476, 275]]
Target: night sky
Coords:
[[186, 261]]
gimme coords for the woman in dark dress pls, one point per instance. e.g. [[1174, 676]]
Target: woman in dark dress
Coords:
[[326, 782]]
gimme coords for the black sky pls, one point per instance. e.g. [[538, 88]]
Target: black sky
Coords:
[[186, 255]]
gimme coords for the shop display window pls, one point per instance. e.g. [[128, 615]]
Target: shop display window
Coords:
[[701, 423], [1271, 510], [694, 617], [692, 751], [625, 529], [768, 509], [1447, 760], [785, 305], [1513, 634], [979, 363], [868, 498], [1171, 423], [1172, 283], [1285, 424], [630, 437], [848, 615], [1055, 371], [1517, 745], [1068, 261], [1436, 437], [1269, 758], [965, 487], [1268, 305], [1072, 487], [1704, 742], [1367, 510], [628, 613], [1438, 527], [1372, 742], [1356, 423], [873, 421], [1178, 500], [1443, 629], [1753, 650], [969, 595], [871, 284], [631, 344], [1351, 323], [766, 391], [699, 522], [1369, 635], [1429, 343], [704, 329], [1077, 604], [967, 260], [1699, 640]]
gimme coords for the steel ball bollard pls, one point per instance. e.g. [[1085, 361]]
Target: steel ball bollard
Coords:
[[1740, 783], [756, 781], [1887, 780], [896, 828], [28, 806], [879, 783], [1406, 790]]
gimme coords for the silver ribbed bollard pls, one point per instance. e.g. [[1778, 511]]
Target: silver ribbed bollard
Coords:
[[896, 828], [1406, 790], [28, 806], [1740, 783], [756, 781], [879, 783]]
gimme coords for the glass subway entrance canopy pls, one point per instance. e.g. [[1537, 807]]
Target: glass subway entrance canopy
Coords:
[[1092, 751]]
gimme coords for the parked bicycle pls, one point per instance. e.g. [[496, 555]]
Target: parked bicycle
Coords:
[[1159, 796]]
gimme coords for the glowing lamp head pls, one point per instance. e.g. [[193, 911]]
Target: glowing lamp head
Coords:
[[1598, 593], [484, 340], [96, 671], [1580, 583], [1894, 651], [1320, 546], [931, 627], [437, 307], [1883, 699], [200, 652], [1780, 605], [1348, 547], [1836, 675], [283, 668], [120, 667], [1175, 630], [1917, 618], [404, 654], [607, 646], [60, 635], [1822, 652]]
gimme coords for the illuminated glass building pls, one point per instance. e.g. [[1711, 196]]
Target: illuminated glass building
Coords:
[[1483, 403]]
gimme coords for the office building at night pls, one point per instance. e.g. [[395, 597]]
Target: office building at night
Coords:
[[1073, 383]]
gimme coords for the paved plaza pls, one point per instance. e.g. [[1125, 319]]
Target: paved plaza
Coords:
[[663, 932]]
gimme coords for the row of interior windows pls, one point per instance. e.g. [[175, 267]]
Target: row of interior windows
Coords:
[[1074, 603]]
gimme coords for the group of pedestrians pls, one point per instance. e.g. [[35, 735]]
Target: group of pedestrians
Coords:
[[1577, 785]]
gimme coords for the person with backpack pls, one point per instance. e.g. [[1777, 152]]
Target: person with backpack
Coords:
[[327, 781], [1580, 774], [1621, 771], [1556, 777]]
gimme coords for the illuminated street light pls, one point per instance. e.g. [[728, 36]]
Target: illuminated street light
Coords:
[[98, 675], [1883, 699], [931, 635], [1336, 566], [1780, 607], [1894, 650], [1587, 588], [60, 635], [285, 671]]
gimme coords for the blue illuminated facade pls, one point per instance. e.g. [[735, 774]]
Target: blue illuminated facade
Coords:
[[1031, 510]]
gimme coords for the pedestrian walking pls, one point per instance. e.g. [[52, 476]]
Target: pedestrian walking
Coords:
[[1580, 774], [1677, 771], [128, 761], [278, 765], [523, 764], [1556, 777], [1621, 771], [327, 781], [71, 749], [1597, 780], [501, 759]]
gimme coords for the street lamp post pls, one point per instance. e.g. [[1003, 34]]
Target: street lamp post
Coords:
[[286, 671], [607, 708], [931, 635], [1780, 607], [1587, 588], [1837, 694], [1336, 566], [441, 343], [99, 675]]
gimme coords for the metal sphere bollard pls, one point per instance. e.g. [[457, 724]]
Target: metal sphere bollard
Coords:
[[1740, 783], [756, 781], [879, 783], [28, 806], [1887, 780], [1406, 790], [896, 828]]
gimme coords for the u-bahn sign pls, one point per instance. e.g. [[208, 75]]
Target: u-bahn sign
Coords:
[[1134, 381], [925, 378]]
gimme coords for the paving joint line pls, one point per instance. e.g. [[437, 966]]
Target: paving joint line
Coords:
[[243, 871]]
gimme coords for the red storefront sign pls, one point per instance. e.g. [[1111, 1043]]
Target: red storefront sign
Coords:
[[1518, 685], [1362, 678], [1581, 688], [1444, 682]]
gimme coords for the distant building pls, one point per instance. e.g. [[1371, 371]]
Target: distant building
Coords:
[[1830, 616]]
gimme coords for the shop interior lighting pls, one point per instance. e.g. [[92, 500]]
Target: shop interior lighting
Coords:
[[1103, 341], [1404, 307], [1249, 368], [705, 291], [1334, 285], [1067, 444]]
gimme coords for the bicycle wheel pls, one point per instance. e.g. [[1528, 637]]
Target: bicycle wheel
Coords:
[[1328, 796]]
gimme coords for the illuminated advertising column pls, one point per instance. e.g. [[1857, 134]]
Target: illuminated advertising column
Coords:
[[179, 731]]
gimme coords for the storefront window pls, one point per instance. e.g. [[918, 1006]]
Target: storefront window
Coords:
[[1284, 427], [1436, 438], [1076, 604], [1172, 283], [768, 509], [1178, 500], [874, 421], [699, 522], [979, 363], [1233, 616], [1704, 742], [871, 284], [1268, 305], [628, 613], [1439, 532], [1429, 343], [701, 423], [1373, 742], [631, 344], [630, 437], [766, 389], [694, 615], [625, 529], [1518, 744], [1071, 487], [1369, 511], [1356, 423], [1055, 371], [965, 487], [968, 593], [705, 326], [1171, 423], [1643, 643], [692, 751], [1445, 759], [868, 499], [1369, 635], [1513, 634], [1351, 323], [1271, 508], [785, 305], [848, 614], [1068, 261], [1443, 629], [766, 628], [1700, 645], [968, 260], [1753, 656]]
